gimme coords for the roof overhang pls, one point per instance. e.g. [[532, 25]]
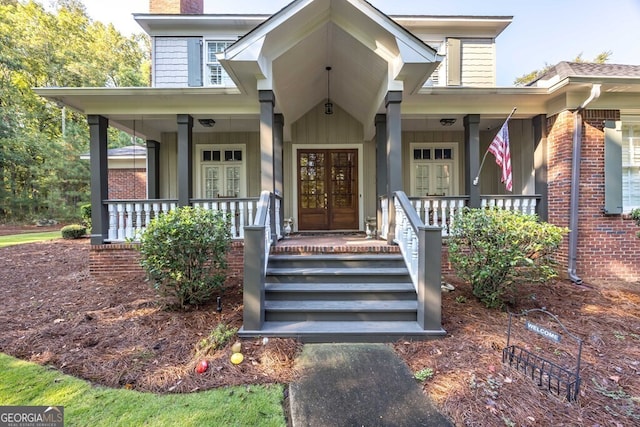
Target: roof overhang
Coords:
[[370, 54], [151, 111]]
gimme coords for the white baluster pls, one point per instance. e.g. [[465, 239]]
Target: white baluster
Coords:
[[138, 208], [234, 227], [129, 220], [435, 212], [278, 231], [147, 215], [251, 206], [121, 214], [113, 222], [241, 208]]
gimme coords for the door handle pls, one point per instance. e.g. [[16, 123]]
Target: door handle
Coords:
[[326, 201]]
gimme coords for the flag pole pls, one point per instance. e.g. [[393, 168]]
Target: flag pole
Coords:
[[477, 178]]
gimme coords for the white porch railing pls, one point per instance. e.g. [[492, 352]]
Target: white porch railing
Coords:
[[129, 218], [406, 235], [524, 204], [440, 211]]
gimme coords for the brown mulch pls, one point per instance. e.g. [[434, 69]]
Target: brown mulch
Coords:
[[116, 333]]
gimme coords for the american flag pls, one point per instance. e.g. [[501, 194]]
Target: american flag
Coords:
[[500, 149]]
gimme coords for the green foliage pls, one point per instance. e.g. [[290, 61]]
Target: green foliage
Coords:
[[424, 374], [635, 215], [73, 231], [496, 250], [85, 213], [26, 383], [184, 253], [41, 174], [216, 340]]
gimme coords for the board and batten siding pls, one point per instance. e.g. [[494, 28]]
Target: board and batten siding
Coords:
[[410, 137], [522, 149], [478, 62], [169, 159], [171, 62]]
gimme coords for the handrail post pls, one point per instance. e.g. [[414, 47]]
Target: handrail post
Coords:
[[254, 277], [429, 278]]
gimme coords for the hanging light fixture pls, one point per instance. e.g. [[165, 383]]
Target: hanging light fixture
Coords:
[[328, 106]]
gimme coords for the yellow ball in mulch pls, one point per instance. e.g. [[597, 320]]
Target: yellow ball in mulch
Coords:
[[237, 358]]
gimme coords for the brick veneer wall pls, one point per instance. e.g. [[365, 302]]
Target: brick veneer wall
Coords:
[[194, 7], [608, 249], [127, 184], [119, 260]]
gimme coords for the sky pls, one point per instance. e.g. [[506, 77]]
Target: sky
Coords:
[[543, 32]]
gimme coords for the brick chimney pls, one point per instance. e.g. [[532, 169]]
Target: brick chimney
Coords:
[[175, 7]]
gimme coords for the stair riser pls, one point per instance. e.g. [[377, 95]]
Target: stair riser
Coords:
[[340, 296], [320, 263], [271, 316], [336, 278]]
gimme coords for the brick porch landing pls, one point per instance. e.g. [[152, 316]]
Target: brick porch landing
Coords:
[[320, 242]]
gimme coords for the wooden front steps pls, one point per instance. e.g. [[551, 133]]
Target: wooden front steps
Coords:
[[327, 294]]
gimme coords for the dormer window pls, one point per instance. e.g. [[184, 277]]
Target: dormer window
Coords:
[[215, 74]]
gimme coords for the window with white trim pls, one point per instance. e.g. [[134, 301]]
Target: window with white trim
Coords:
[[222, 172], [433, 169], [215, 73], [630, 166]]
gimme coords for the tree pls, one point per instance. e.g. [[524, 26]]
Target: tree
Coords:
[[40, 171], [527, 78]]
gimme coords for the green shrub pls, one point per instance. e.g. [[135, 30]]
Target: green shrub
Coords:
[[635, 215], [85, 212], [73, 231], [495, 250], [184, 254]]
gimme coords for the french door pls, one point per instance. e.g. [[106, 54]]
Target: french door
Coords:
[[328, 189]]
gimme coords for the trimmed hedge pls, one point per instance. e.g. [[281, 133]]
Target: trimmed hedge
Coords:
[[73, 231]]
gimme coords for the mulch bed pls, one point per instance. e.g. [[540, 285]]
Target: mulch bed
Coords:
[[118, 334]]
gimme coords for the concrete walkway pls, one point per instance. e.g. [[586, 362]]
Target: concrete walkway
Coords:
[[358, 385]]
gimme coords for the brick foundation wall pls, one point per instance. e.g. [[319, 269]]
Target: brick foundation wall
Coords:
[[127, 184], [608, 249], [119, 260], [193, 7]]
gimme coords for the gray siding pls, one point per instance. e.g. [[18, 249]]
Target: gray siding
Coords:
[[431, 136], [170, 62], [478, 62]]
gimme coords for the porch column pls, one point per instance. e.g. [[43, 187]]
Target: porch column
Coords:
[[153, 167], [185, 169], [381, 155], [381, 164], [98, 126], [267, 102], [541, 164], [393, 103], [472, 157], [278, 144]]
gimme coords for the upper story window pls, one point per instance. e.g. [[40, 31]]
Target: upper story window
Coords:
[[215, 74]]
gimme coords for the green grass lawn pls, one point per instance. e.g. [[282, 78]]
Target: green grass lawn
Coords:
[[25, 383], [16, 239]]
